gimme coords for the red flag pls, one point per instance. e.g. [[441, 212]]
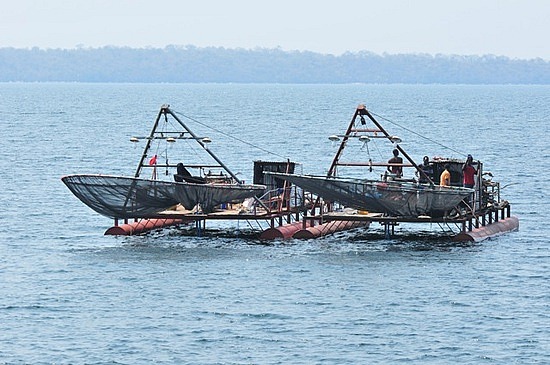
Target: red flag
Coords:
[[153, 160]]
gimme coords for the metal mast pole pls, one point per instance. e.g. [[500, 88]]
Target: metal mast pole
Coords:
[[332, 169], [148, 145], [165, 109], [364, 111]]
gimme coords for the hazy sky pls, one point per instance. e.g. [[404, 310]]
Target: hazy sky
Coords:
[[513, 28]]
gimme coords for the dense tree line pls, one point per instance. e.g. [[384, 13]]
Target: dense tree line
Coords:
[[218, 64]]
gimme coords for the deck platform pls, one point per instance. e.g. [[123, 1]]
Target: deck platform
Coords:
[[484, 224], [182, 216]]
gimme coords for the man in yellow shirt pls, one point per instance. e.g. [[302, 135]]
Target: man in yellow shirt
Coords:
[[445, 178]]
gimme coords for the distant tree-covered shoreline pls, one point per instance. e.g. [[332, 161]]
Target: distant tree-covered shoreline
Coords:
[[179, 64]]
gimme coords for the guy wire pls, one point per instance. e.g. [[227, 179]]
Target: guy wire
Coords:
[[230, 136], [418, 134]]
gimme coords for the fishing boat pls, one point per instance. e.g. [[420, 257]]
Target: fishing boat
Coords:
[[391, 194], [395, 198], [139, 197]]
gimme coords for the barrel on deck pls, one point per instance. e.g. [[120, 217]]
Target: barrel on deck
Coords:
[[490, 230], [328, 228], [141, 226]]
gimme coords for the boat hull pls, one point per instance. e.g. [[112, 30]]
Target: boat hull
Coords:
[[128, 197], [394, 198]]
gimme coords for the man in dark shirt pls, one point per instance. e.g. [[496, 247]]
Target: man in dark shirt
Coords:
[[427, 168], [397, 170]]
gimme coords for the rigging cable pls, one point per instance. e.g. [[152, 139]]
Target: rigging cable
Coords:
[[190, 146], [418, 134], [230, 136]]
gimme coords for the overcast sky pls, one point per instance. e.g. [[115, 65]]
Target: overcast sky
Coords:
[[513, 28]]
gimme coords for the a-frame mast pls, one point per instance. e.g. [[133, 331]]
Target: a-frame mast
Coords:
[[360, 112], [165, 111]]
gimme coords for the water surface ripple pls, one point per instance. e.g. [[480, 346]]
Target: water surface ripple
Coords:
[[70, 295]]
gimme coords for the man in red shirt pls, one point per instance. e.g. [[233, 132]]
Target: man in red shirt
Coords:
[[468, 172]]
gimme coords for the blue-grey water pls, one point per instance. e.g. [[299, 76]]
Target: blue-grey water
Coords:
[[69, 295]]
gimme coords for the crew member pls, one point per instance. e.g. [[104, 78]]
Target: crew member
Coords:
[[396, 170], [468, 172], [445, 178], [428, 170]]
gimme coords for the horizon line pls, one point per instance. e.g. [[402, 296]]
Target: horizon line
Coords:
[[277, 48]]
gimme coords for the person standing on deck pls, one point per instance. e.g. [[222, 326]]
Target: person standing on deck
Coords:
[[468, 172], [397, 170], [427, 168], [445, 178]]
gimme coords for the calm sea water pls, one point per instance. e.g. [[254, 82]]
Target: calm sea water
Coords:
[[68, 294]]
